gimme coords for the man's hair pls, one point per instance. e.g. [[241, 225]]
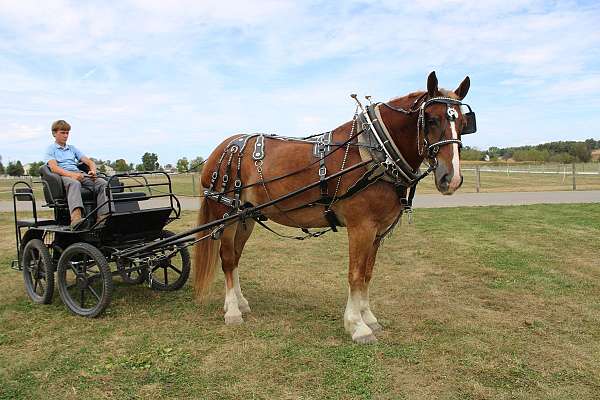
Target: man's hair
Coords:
[[60, 125]]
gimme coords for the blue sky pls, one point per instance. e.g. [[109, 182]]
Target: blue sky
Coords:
[[177, 77]]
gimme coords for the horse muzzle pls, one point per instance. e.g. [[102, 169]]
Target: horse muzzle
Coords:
[[447, 182]]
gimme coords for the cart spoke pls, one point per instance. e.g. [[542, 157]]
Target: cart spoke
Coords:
[[174, 268], [73, 268], [82, 297], [35, 285], [72, 286], [166, 276], [94, 292]]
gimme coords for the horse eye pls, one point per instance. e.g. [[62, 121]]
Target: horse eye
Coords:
[[432, 121]]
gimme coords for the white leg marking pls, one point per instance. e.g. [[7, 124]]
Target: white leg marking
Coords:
[[353, 321], [367, 314], [242, 302], [233, 315], [455, 182]]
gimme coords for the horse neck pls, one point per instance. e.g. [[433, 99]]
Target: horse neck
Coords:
[[403, 128]]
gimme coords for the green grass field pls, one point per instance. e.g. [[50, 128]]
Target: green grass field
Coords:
[[476, 303]]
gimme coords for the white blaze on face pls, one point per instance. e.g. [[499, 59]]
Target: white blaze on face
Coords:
[[455, 182]]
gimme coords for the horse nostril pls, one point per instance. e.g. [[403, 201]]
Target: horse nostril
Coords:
[[446, 179]]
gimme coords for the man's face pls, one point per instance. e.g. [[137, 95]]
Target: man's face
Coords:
[[61, 137]]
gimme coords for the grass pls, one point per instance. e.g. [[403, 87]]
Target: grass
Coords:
[[477, 303]]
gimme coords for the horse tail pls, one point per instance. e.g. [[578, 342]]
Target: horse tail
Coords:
[[206, 255]]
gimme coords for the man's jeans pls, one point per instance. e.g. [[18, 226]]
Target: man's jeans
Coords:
[[73, 188]]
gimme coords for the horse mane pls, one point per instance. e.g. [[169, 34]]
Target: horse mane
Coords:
[[409, 99]]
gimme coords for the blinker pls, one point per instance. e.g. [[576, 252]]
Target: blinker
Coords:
[[471, 126]]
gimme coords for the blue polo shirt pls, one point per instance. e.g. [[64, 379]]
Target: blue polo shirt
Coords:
[[66, 157]]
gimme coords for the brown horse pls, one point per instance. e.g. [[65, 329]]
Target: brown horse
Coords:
[[421, 125]]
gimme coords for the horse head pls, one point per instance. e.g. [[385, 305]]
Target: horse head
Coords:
[[443, 119]]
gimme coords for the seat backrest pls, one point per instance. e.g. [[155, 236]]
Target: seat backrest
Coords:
[[53, 186]]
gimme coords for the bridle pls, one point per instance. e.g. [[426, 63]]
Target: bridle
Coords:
[[394, 161]]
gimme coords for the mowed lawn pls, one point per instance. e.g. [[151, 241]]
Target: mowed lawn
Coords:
[[476, 303]]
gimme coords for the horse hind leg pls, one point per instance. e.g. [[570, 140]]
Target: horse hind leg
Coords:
[[242, 235], [232, 244], [233, 315]]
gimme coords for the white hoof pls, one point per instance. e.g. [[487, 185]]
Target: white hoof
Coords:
[[375, 327], [367, 339], [244, 308], [234, 319]]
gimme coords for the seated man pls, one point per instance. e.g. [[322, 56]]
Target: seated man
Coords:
[[62, 159]]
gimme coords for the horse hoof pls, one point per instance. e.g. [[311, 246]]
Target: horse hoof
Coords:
[[367, 339], [234, 320], [375, 327], [245, 308]]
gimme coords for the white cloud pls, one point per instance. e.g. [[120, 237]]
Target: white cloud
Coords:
[[183, 75]]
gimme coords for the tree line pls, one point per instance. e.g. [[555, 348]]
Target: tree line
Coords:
[[561, 152], [149, 163]]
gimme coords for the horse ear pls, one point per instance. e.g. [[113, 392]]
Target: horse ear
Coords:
[[432, 84], [463, 88]]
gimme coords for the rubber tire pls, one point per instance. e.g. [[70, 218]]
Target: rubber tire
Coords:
[[142, 273], [105, 276], [185, 268], [47, 267]]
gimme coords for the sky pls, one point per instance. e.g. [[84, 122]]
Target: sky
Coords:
[[176, 78]]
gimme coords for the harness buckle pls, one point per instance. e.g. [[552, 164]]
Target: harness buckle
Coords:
[[322, 171]]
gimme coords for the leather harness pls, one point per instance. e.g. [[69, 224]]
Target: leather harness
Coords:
[[385, 161]]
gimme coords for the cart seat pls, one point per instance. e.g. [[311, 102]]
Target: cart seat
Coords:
[[54, 190]]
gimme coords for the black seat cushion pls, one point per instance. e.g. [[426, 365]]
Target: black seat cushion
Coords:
[[54, 190]]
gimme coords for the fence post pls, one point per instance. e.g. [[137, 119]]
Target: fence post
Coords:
[[477, 178], [193, 184], [574, 174]]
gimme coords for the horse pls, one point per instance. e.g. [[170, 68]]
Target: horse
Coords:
[[423, 125]]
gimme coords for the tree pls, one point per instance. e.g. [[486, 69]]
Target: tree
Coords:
[[15, 169], [139, 167], [34, 168], [2, 171], [150, 161], [196, 164], [102, 168], [121, 165], [183, 164]]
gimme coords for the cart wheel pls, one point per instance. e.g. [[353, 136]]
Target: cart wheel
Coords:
[[172, 273], [38, 272], [135, 276], [84, 280]]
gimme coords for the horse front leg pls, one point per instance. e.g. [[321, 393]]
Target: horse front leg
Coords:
[[361, 243], [366, 312]]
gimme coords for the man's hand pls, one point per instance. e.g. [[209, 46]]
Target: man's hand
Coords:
[[93, 174], [77, 176]]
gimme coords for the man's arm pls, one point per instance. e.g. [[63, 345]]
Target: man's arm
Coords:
[[53, 165], [91, 165]]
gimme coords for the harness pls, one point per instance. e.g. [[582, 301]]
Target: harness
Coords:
[[383, 159]]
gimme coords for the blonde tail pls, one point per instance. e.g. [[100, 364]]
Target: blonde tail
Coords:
[[206, 255]]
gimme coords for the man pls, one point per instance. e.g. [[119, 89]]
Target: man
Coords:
[[62, 159]]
